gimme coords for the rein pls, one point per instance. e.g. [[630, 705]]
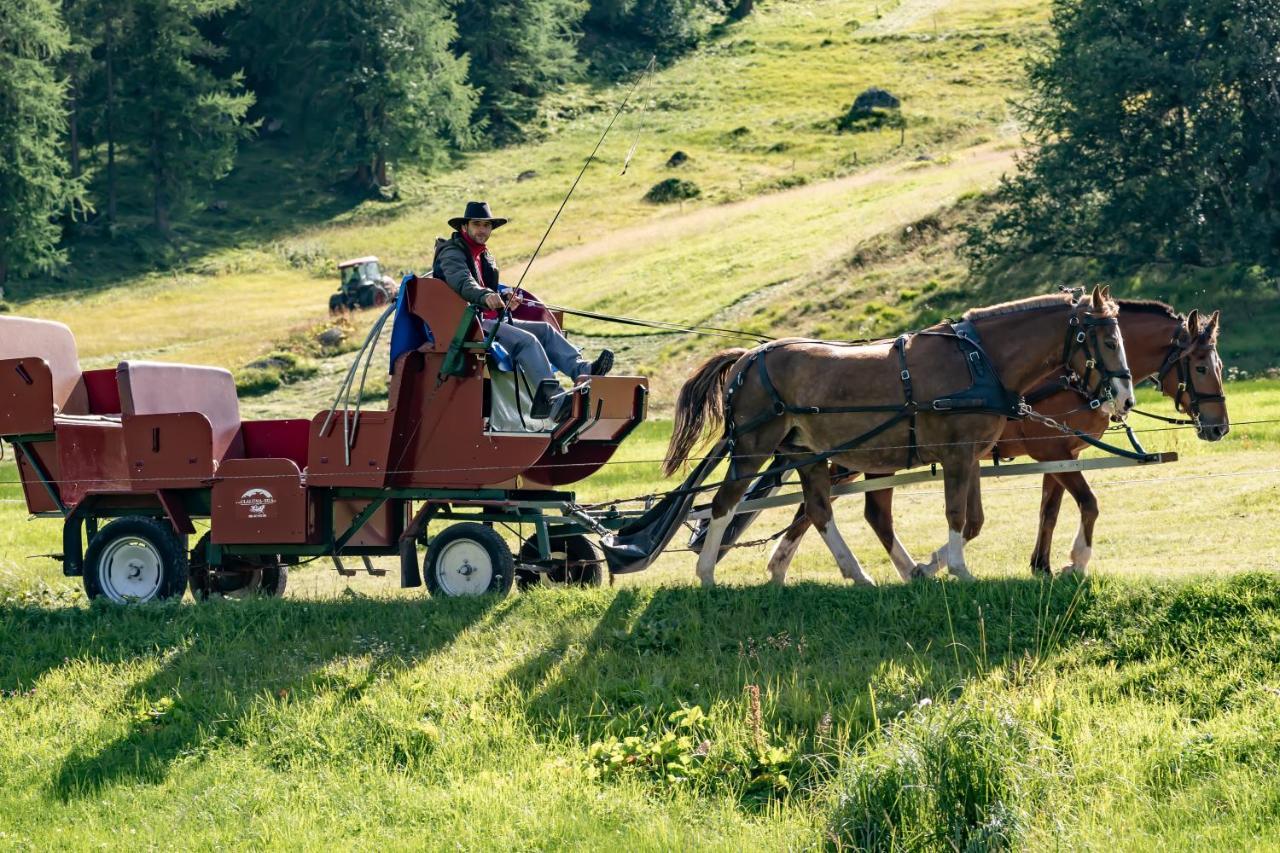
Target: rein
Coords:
[[992, 396]]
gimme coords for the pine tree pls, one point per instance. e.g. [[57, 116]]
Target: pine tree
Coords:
[[518, 50], [34, 185], [178, 116], [395, 90]]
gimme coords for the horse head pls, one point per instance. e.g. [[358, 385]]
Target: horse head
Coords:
[[1094, 351], [1192, 376]]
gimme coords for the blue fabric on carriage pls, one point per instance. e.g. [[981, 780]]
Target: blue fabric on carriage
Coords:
[[501, 358], [407, 331]]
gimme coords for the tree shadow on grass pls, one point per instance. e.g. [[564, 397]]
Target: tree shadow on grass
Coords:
[[215, 661], [813, 649]]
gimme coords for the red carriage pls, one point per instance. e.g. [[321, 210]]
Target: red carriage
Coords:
[[129, 457]]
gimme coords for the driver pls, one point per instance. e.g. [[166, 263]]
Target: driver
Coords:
[[465, 263]]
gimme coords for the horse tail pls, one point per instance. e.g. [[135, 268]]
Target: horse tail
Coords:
[[699, 406]]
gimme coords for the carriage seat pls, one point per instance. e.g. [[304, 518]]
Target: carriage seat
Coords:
[[154, 388], [41, 379]]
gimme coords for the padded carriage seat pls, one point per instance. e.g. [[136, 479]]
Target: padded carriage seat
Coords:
[[22, 337], [156, 388]]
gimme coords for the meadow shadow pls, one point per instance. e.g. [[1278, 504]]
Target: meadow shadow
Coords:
[[219, 659], [815, 647]]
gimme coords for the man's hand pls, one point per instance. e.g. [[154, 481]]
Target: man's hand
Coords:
[[493, 302], [514, 300]]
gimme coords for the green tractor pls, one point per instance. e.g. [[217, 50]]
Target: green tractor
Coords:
[[363, 286]]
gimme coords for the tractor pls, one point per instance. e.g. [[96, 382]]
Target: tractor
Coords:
[[363, 286]]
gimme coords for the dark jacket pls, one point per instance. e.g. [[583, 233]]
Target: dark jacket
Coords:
[[453, 265]]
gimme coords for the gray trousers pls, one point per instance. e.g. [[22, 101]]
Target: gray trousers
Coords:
[[536, 347]]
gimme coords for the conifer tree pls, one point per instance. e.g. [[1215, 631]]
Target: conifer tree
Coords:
[[518, 50], [178, 116], [1157, 136], [34, 185]]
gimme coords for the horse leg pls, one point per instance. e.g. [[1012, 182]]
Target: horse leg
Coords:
[[1082, 548], [1050, 502], [816, 482], [787, 546], [973, 514], [746, 461], [878, 511], [958, 478]]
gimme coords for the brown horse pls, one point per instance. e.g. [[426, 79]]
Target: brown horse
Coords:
[[1180, 353], [879, 408]]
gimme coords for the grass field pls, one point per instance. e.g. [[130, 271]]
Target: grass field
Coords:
[[1132, 711]]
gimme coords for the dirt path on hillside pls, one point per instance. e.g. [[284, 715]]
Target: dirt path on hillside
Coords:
[[681, 225], [905, 15]]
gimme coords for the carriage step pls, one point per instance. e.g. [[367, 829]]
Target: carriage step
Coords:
[[342, 570], [368, 567]]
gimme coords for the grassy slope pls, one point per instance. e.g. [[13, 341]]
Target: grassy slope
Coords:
[[353, 712]]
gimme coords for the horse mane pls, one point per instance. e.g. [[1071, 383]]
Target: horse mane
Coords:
[[1017, 306], [1149, 306]]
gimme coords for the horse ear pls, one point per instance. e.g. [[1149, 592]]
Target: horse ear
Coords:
[[1098, 300], [1211, 328], [1106, 293], [1193, 323]]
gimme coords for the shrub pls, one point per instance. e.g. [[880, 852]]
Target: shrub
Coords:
[[672, 189]]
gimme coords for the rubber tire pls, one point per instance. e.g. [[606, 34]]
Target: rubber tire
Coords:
[[504, 565], [274, 576], [577, 548], [159, 534], [380, 296], [367, 297], [336, 303]]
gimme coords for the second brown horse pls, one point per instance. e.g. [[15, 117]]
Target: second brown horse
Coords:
[[1179, 353]]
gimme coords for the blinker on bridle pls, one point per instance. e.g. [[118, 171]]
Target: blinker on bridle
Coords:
[[1178, 358], [1082, 334]]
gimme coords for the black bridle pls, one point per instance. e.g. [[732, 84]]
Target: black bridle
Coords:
[[1178, 358], [1082, 334]]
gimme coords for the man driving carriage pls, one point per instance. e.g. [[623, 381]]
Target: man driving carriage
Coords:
[[465, 263]]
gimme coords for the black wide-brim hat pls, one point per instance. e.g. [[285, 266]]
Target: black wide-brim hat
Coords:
[[477, 210]]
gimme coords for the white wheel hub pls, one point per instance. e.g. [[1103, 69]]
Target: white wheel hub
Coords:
[[130, 570], [464, 567]]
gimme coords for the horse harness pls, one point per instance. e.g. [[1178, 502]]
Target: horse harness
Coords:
[[985, 394], [1175, 359]]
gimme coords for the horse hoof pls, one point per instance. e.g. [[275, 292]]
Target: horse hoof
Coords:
[[1041, 572], [1072, 571], [962, 575], [923, 571]]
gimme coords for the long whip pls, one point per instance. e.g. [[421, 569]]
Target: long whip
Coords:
[[648, 69]]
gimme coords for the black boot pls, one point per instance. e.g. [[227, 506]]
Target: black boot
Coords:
[[540, 408], [603, 363]]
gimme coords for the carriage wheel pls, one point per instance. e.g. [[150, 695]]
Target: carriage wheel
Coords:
[[239, 577], [468, 559], [575, 562], [135, 559]]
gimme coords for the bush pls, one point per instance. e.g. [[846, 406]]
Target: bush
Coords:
[[672, 189], [254, 382], [955, 777], [269, 373]]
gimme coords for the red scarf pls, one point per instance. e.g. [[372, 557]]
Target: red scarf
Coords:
[[476, 249]]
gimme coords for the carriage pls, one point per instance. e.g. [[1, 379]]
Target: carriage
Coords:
[[130, 457], [148, 448]]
